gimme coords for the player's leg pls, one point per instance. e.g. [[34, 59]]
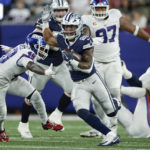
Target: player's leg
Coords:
[[28, 91], [3, 112], [81, 95], [101, 115], [135, 92], [137, 123], [23, 126], [62, 79]]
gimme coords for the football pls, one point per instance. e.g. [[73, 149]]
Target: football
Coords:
[[76, 56]]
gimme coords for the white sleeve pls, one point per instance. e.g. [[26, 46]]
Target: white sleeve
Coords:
[[23, 61]]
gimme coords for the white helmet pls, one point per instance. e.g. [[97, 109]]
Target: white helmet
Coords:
[[59, 5], [101, 4], [72, 19]]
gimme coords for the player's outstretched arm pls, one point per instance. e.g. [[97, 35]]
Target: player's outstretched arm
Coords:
[[49, 38], [39, 70], [135, 30]]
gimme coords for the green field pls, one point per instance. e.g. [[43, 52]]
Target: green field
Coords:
[[67, 140]]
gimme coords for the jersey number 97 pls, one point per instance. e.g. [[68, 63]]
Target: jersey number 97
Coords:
[[103, 33]]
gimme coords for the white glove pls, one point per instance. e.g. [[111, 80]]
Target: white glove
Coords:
[[46, 14], [50, 72]]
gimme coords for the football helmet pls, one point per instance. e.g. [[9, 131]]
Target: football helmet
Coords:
[[74, 22], [61, 5], [36, 42], [99, 14]]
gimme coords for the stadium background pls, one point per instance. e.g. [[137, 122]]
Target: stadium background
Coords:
[[135, 52]]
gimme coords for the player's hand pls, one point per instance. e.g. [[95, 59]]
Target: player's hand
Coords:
[[50, 72], [46, 14], [67, 56]]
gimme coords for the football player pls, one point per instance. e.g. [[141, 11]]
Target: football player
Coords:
[[14, 63], [87, 82], [104, 25], [136, 124], [58, 9]]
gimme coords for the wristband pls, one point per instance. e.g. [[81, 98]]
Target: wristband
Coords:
[[74, 63], [44, 26], [136, 30]]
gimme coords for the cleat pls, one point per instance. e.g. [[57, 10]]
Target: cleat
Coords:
[[23, 129], [56, 118], [110, 139], [91, 133], [4, 137], [50, 125]]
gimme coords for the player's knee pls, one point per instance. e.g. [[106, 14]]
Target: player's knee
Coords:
[[116, 106], [115, 92], [34, 96]]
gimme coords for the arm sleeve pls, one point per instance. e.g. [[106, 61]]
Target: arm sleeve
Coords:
[[61, 40], [23, 61]]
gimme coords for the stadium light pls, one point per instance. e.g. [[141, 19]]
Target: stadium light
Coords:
[[1, 11]]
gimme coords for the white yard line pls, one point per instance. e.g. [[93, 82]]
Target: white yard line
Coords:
[[51, 147], [36, 117]]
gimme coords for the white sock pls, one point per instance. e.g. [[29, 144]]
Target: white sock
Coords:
[[58, 111], [1, 125], [135, 92]]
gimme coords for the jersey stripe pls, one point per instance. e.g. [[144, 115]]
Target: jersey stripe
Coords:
[[148, 109], [58, 2]]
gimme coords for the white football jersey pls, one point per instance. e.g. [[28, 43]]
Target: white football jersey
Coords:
[[14, 62], [145, 78], [105, 34]]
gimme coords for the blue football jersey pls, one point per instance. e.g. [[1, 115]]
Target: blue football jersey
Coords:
[[54, 57], [82, 43]]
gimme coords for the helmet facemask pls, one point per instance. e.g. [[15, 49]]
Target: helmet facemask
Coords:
[[99, 10], [72, 28], [42, 49], [59, 10]]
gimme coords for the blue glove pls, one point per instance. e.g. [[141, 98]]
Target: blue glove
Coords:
[[67, 56]]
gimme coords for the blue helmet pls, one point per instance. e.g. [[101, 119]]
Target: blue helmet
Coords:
[[99, 14], [36, 42]]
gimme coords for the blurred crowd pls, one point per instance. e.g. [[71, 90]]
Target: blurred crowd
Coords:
[[22, 11]]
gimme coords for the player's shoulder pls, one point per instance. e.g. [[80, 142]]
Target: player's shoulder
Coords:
[[84, 38], [86, 41], [114, 13]]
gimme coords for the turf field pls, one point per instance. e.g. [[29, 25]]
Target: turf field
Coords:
[[67, 140]]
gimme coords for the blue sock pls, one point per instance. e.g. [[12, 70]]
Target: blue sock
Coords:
[[93, 121], [134, 81]]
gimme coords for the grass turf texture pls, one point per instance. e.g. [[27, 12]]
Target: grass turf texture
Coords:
[[67, 140]]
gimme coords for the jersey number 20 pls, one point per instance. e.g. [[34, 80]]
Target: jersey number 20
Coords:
[[103, 33]]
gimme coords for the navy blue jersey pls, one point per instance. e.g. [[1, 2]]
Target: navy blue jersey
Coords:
[[54, 57], [81, 44]]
